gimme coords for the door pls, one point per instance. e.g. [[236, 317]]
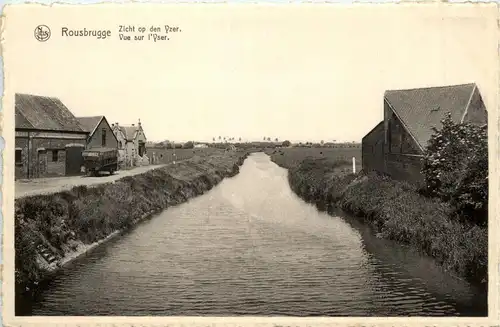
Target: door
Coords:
[[41, 169], [74, 159]]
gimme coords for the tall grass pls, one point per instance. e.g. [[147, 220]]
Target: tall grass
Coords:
[[89, 214], [398, 212], [291, 157]]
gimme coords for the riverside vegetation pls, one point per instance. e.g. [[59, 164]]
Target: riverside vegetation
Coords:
[[70, 221], [446, 218]]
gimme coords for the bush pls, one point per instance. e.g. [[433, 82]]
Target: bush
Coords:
[[89, 214], [456, 168], [27, 271], [188, 145], [398, 212]]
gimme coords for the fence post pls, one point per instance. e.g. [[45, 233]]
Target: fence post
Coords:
[[353, 165]]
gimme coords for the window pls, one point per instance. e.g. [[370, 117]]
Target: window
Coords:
[[55, 155], [19, 156], [103, 136]]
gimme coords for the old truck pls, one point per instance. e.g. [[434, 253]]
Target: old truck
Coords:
[[96, 160]]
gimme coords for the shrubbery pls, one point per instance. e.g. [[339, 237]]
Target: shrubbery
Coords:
[[397, 211], [188, 145], [87, 215], [456, 169], [403, 215]]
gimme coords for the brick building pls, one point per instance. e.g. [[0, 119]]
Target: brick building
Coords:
[[100, 132], [48, 138], [396, 145], [372, 149], [131, 144]]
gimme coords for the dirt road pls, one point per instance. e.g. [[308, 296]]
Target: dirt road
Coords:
[[56, 184]]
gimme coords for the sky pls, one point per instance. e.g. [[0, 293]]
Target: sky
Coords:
[[298, 73]]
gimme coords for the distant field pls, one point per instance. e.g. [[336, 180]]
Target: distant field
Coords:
[[165, 156], [290, 157]]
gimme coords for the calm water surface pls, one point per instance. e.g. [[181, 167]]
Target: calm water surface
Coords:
[[251, 247]]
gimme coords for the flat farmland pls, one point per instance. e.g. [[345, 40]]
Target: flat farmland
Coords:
[[291, 157], [166, 156]]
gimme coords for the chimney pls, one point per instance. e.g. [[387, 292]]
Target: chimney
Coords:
[[139, 124]]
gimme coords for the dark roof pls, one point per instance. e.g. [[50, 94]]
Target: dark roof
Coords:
[[44, 113], [89, 124], [129, 132], [424, 108]]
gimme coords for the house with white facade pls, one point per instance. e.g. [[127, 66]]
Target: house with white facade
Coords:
[[131, 144]]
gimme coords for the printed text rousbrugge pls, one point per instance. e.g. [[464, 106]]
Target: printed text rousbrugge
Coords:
[[99, 34]]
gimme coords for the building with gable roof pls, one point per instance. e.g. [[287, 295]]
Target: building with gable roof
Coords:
[[131, 144], [49, 139], [396, 145], [101, 133]]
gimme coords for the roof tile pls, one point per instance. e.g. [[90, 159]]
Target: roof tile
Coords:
[[44, 113], [89, 124], [424, 108]]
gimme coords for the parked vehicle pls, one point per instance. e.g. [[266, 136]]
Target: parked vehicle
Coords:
[[100, 159]]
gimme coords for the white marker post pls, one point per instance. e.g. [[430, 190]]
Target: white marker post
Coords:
[[353, 165]]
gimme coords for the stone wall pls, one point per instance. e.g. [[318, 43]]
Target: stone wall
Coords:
[[43, 154]]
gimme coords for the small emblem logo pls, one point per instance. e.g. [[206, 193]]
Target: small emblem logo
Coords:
[[42, 33]]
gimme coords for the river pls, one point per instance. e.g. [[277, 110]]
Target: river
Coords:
[[250, 246]]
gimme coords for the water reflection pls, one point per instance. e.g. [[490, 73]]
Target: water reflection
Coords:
[[250, 246]]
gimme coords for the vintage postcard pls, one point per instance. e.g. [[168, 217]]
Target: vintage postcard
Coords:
[[251, 164]]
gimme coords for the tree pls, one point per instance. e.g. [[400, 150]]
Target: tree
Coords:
[[322, 142], [239, 139], [276, 140], [219, 138], [269, 139], [188, 145], [455, 168], [285, 143]]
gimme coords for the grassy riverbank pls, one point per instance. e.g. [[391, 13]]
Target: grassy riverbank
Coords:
[[291, 157], [396, 211], [53, 229]]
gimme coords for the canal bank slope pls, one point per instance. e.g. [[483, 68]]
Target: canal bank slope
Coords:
[[396, 211], [53, 229]]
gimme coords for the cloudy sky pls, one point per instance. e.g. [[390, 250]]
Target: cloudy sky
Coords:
[[314, 72]]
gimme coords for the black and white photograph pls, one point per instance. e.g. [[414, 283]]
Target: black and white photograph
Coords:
[[268, 161]]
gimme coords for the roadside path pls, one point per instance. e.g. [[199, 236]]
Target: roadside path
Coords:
[[56, 184]]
